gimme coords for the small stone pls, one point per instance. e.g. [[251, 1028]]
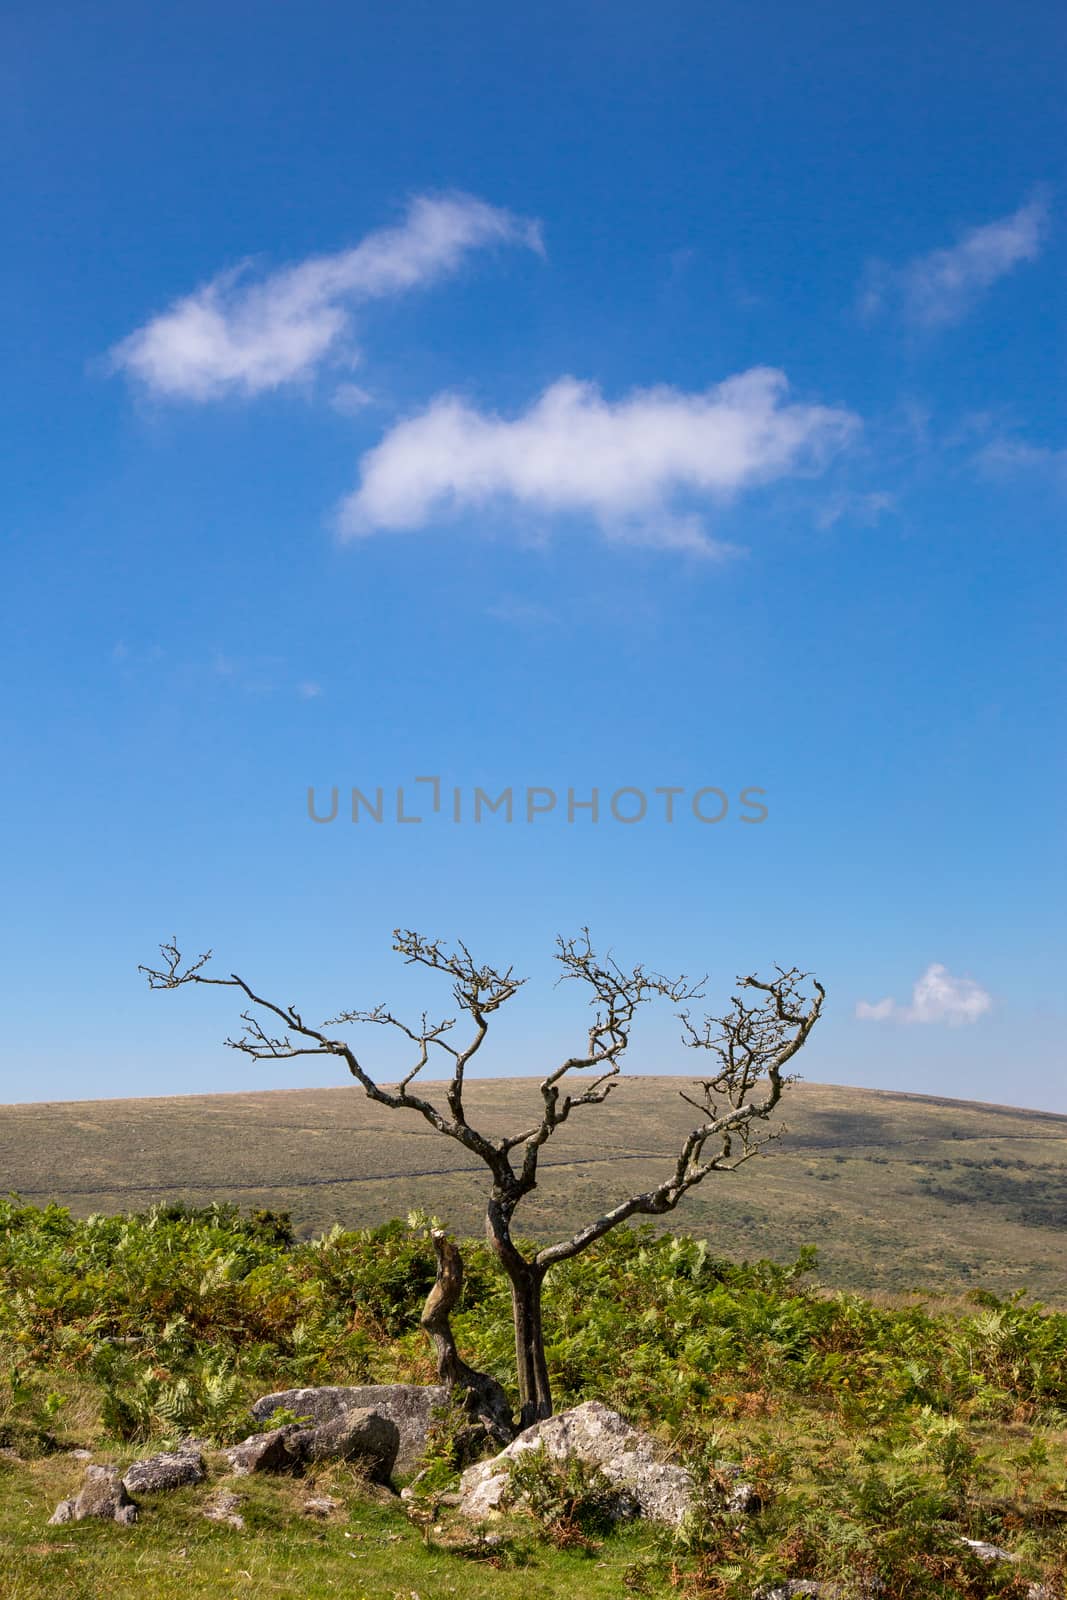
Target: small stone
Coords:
[[263, 1452], [988, 1552], [64, 1512], [744, 1499], [800, 1589], [320, 1506], [223, 1507], [171, 1469], [102, 1495]]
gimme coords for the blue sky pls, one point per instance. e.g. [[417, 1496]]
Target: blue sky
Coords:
[[601, 398]]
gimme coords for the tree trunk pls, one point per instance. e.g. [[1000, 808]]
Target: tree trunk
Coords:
[[535, 1393], [481, 1395]]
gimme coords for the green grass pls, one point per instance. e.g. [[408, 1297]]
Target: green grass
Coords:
[[877, 1434], [881, 1426], [897, 1191], [365, 1551]]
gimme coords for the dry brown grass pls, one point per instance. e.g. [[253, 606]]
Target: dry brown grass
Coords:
[[897, 1191]]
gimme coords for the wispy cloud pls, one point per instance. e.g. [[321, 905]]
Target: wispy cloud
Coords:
[[1005, 456], [936, 997], [351, 398], [626, 463], [245, 334], [940, 288], [862, 508]]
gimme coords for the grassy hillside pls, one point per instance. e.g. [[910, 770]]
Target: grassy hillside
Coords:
[[878, 1438], [896, 1191]]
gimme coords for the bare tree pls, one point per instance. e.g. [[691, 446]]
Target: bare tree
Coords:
[[750, 1047]]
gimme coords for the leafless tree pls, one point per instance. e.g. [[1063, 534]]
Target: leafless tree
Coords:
[[750, 1047]]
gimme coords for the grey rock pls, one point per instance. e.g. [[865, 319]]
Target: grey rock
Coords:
[[64, 1512], [630, 1460], [410, 1405], [264, 1452], [988, 1552], [171, 1469], [994, 1552], [357, 1435], [800, 1589], [320, 1506], [744, 1500], [224, 1507], [102, 1494]]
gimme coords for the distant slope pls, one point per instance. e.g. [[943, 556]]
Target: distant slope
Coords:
[[896, 1190]]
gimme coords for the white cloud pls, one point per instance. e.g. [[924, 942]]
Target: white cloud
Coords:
[[351, 398], [942, 287], [936, 997], [1004, 455], [875, 1011], [246, 334], [862, 509], [624, 463]]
